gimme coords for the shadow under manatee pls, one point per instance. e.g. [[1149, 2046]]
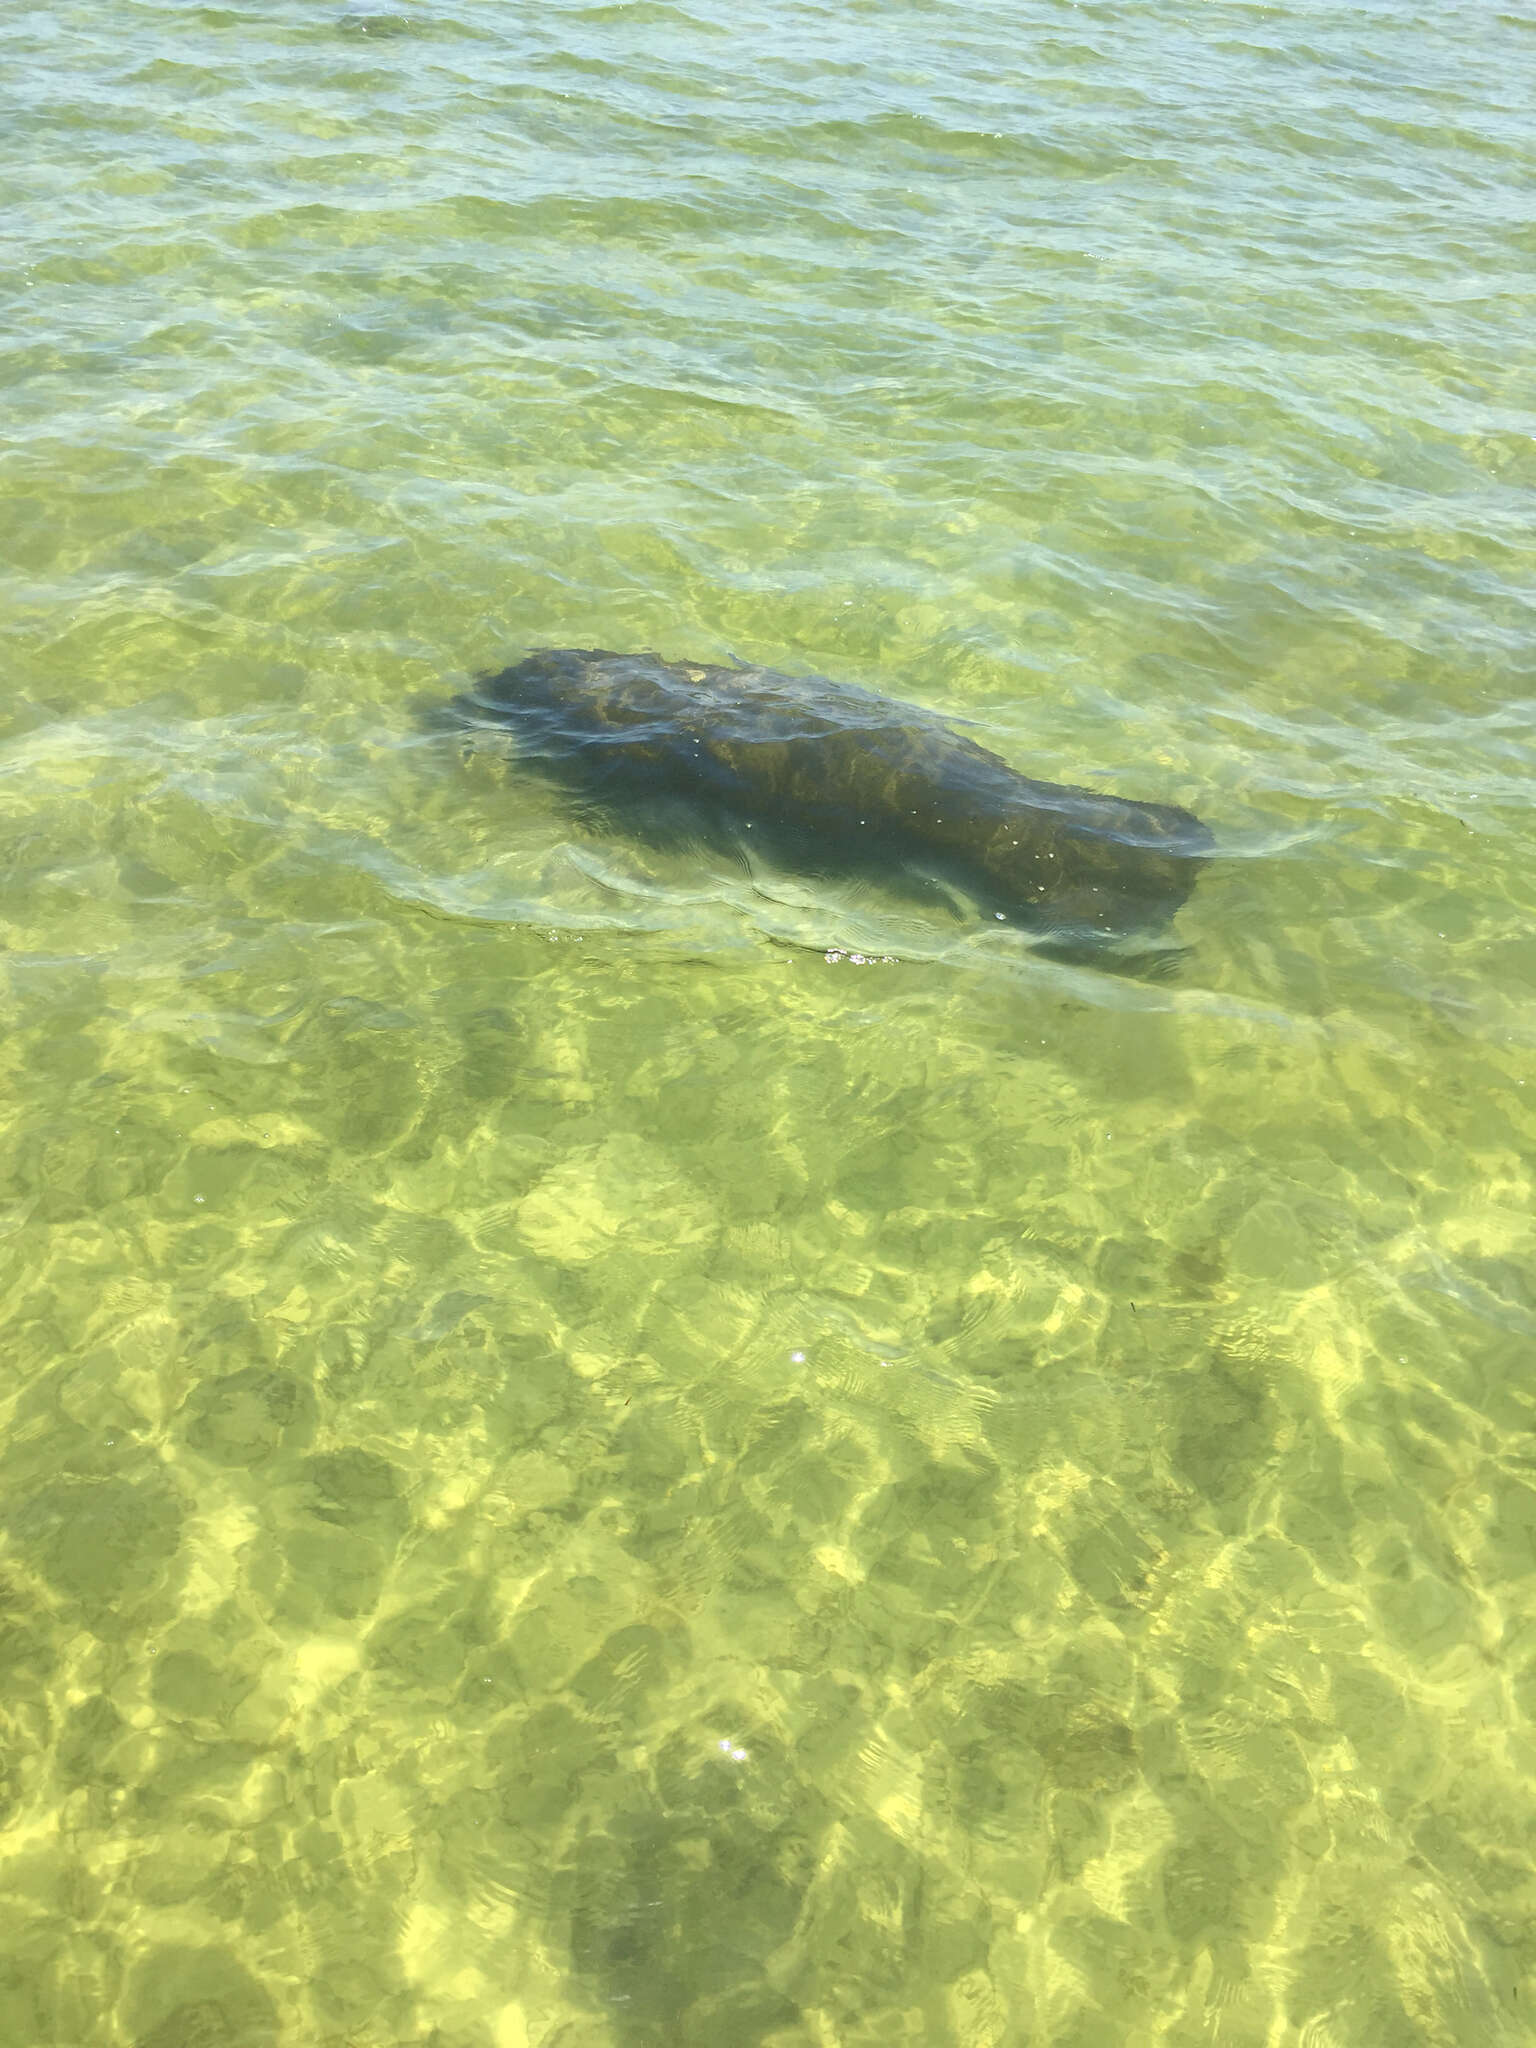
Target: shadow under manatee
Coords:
[[832, 780]]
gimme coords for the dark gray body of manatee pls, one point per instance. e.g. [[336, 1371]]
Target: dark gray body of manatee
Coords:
[[836, 772]]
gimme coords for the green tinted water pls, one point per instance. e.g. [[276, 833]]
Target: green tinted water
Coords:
[[600, 1449]]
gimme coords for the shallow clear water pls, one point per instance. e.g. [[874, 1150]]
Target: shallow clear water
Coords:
[[602, 1446]]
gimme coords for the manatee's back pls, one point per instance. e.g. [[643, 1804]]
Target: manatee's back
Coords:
[[840, 763]]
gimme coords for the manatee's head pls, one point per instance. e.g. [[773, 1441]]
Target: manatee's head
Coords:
[[1084, 867]]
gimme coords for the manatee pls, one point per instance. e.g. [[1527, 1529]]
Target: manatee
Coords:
[[835, 771]]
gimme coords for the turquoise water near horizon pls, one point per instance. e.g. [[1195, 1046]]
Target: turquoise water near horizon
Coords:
[[603, 1444]]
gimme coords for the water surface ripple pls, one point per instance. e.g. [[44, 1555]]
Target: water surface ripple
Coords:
[[609, 1443]]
